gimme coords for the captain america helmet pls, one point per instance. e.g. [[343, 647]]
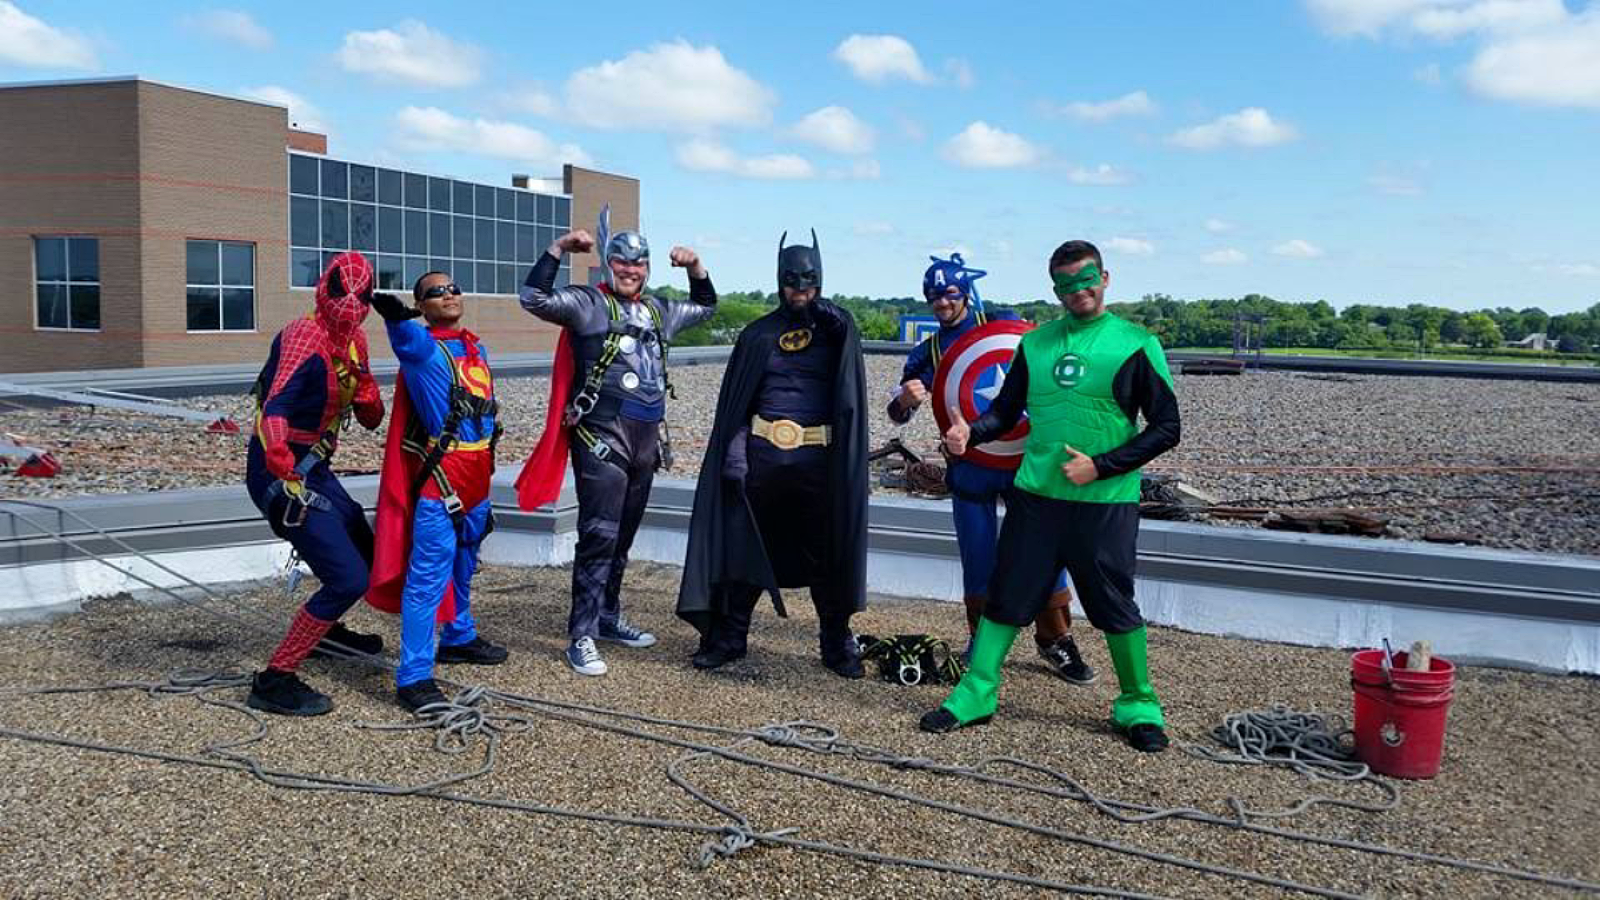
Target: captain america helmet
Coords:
[[943, 275]]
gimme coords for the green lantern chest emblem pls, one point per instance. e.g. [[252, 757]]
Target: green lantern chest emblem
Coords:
[[1069, 370]]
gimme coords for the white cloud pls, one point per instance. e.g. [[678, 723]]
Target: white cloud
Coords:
[[1430, 75], [431, 128], [1297, 249], [1131, 246], [1137, 103], [982, 146], [959, 72], [232, 25], [26, 41], [836, 128], [864, 170], [671, 86], [867, 229], [1217, 226], [1559, 66], [1451, 20], [1249, 127], [1586, 270], [303, 114], [705, 155], [876, 58], [1535, 52], [1104, 174], [1438, 19], [1228, 257], [1395, 186], [411, 53], [531, 98]]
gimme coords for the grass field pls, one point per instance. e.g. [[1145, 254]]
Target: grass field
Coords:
[[1444, 355]]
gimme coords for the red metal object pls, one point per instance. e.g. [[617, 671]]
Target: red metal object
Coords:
[[223, 425], [970, 374], [41, 465], [1400, 714]]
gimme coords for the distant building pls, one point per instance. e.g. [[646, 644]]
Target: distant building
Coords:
[[1538, 341], [146, 225]]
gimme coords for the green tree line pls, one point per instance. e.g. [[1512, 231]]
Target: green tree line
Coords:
[[1210, 322]]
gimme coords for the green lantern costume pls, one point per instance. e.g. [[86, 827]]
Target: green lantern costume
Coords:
[[1084, 383]]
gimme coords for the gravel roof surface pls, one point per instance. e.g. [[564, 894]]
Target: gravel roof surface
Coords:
[[1518, 786], [1265, 439]]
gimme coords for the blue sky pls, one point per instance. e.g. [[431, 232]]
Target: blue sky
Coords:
[[1388, 151]]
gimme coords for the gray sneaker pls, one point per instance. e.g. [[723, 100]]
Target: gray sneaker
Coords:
[[1065, 660], [584, 658], [625, 634]]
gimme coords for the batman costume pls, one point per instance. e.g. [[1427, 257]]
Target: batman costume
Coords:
[[782, 496]]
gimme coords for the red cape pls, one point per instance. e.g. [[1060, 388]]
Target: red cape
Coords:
[[541, 477], [397, 504]]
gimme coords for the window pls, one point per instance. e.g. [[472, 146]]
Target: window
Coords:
[[222, 286], [405, 222], [67, 282]]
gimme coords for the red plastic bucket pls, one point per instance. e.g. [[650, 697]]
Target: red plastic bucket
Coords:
[[1400, 715]]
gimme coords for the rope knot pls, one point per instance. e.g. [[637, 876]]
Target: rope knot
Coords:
[[736, 838]]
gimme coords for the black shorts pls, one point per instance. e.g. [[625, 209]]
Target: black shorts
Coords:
[[1097, 543]]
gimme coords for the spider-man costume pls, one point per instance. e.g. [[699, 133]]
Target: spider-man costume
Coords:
[[315, 377]]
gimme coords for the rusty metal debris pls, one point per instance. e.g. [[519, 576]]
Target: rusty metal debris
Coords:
[[99, 397], [1326, 521], [1213, 367]]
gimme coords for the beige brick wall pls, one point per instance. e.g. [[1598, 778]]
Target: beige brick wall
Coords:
[[69, 164], [591, 191], [144, 168], [212, 169]]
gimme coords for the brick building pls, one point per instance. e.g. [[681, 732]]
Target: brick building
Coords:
[[149, 225]]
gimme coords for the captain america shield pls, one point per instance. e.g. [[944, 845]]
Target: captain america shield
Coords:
[[971, 372]]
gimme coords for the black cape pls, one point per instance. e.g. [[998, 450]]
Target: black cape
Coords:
[[725, 546]]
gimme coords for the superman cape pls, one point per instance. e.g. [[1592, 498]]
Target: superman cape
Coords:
[[541, 477], [397, 505]]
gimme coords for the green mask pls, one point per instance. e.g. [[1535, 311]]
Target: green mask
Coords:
[[1087, 277]]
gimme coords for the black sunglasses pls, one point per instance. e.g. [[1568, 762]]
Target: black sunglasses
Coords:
[[439, 290]]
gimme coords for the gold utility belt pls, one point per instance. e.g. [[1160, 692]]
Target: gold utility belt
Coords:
[[787, 434]]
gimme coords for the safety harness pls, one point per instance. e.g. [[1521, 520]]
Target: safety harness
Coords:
[[588, 397], [912, 659], [302, 499], [932, 340], [462, 406]]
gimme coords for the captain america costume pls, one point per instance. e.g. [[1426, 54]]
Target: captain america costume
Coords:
[[315, 378], [975, 489]]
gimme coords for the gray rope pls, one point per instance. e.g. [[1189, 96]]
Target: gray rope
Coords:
[[465, 717]]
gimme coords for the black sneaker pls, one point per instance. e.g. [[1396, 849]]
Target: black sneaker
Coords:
[[284, 694], [841, 655], [1065, 660], [716, 656], [418, 694], [477, 652], [943, 721], [340, 641], [1147, 738]]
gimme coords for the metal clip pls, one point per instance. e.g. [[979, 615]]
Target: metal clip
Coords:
[[665, 446], [915, 669]]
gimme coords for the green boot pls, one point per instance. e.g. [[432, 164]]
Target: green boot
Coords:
[[1137, 703], [974, 699]]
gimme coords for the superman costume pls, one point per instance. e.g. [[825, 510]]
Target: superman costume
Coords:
[[433, 495], [315, 378]]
